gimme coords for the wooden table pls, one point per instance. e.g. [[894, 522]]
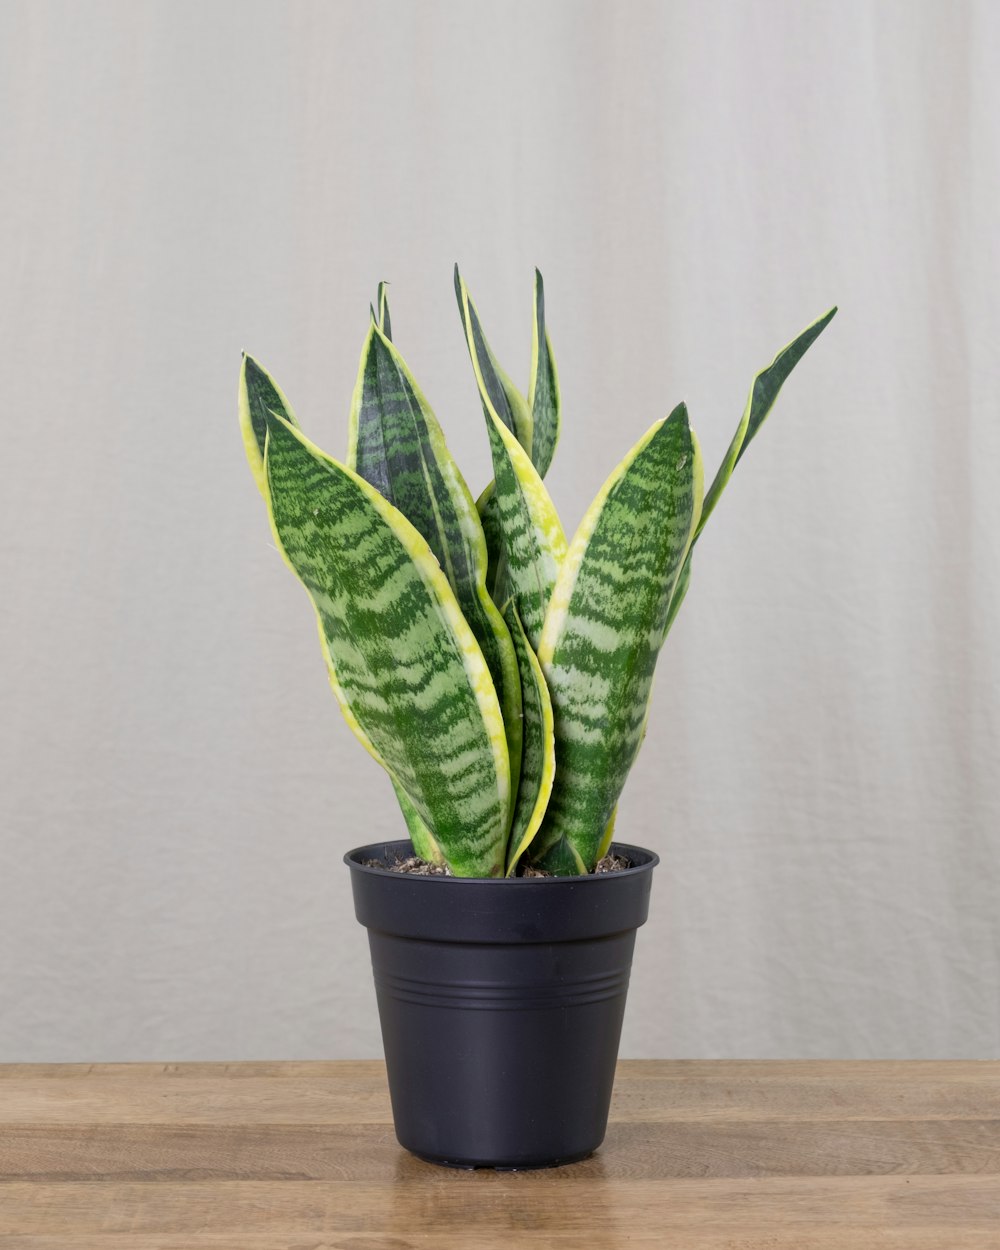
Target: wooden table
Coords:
[[699, 1156]]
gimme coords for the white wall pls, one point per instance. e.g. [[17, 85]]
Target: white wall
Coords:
[[697, 181]]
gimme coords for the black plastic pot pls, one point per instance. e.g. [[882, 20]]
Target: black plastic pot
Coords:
[[501, 1005]]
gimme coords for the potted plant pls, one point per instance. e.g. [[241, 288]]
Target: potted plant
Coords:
[[501, 676]]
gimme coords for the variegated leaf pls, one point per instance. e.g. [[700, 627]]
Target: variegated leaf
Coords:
[[538, 761], [603, 633], [496, 565], [533, 538], [763, 393], [543, 390], [516, 413], [507, 402], [396, 445], [406, 661], [424, 843], [259, 394], [534, 545]]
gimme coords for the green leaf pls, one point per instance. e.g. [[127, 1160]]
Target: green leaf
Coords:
[[763, 393], [543, 390], [538, 761], [396, 444], [680, 590], [424, 843], [382, 316], [506, 401], [607, 836], [496, 563], [259, 394], [534, 544], [407, 663], [603, 633]]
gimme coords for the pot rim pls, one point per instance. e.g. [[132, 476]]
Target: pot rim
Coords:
[[649, 861]]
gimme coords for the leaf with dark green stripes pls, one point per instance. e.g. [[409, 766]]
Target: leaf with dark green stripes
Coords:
[[396, 444], [534, 545], [763, 393], [543, 391], [507, 402], [603, 632], [382, 314], [406, 661], [259, 394], [680, 590], [496, 563], [538, 759], [424, 843]]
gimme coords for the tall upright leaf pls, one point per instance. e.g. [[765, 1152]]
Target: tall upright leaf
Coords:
[[603, 633], [538, 762], [544, 399], [507, 402], [520, 416], [405, 659], [534, 544], [396, 444]]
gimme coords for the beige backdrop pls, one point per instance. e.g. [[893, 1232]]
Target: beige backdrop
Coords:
[[697, 181]]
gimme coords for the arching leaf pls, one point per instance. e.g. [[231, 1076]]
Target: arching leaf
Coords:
[[406, 661], [763, 394]]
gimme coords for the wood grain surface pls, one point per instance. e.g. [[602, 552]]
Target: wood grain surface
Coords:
[[699, 1156]]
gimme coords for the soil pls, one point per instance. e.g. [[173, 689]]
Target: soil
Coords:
[[421, 868], [413, 864], [613, 863]]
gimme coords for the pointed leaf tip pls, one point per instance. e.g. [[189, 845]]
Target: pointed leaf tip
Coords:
[[258, 392]]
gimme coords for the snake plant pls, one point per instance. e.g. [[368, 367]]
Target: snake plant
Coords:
[[498, 673]]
